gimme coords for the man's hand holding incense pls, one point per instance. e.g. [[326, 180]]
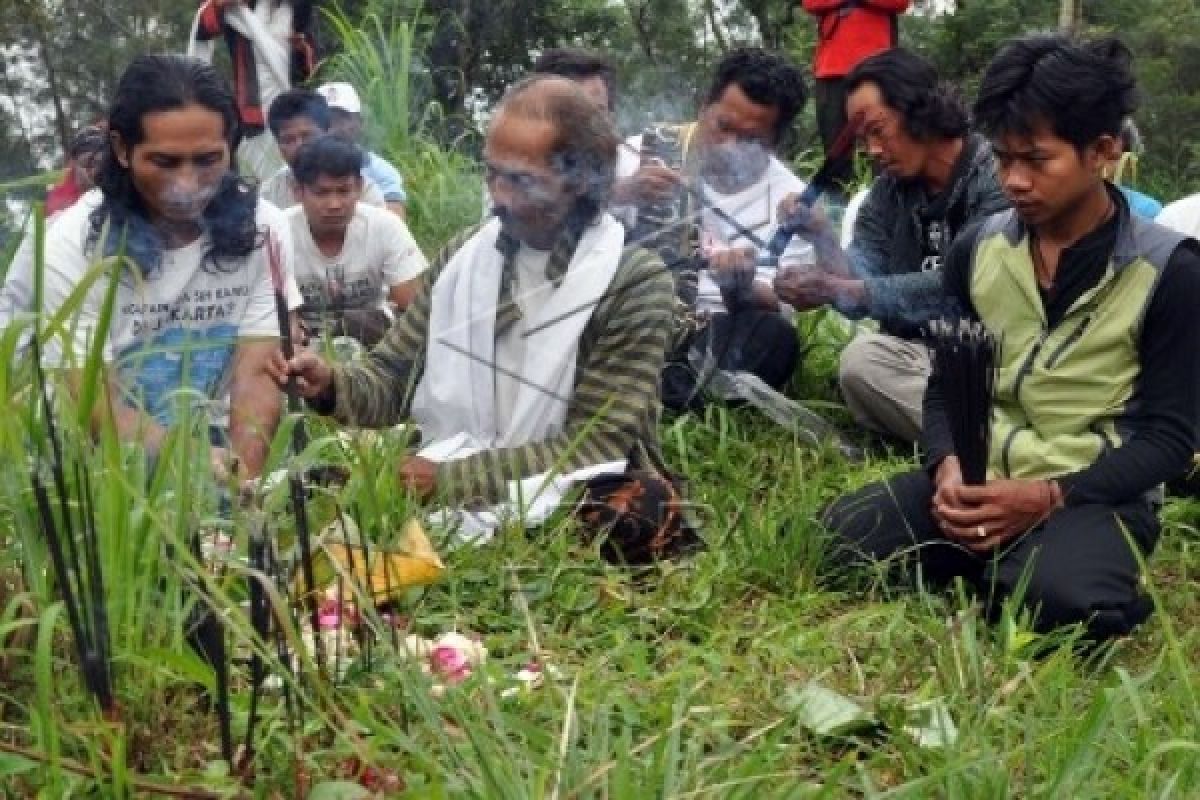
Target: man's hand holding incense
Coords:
[[983, 518], [419, 476], [804, 288], [652, 183], [731, 266], [314, 377], [812, 224], [809, 222]]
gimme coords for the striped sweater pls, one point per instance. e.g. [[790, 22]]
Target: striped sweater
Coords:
[[614, 408]]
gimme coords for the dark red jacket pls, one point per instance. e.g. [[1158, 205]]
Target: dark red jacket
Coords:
[[850, 30], [65, 193], [241, 53]]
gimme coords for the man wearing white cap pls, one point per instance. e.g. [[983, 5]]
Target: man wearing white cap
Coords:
[[346, 106]]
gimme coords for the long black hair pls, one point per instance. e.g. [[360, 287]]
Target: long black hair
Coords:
[[928, 108], [150, 84]]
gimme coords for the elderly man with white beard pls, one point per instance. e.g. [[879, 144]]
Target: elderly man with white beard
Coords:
[[530, 355]]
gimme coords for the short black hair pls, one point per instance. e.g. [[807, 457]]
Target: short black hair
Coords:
[[327, 156], [1081, 89], [296, 103], [768, 79], [909, 84], [578, 64]]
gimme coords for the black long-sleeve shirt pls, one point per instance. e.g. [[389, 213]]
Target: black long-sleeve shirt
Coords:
[[1164, 429]]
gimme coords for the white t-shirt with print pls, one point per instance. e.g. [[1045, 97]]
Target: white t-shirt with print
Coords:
[[174, 329], [377, 254], [755, 208]]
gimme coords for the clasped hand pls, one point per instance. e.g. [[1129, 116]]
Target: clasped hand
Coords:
[[805, 287], [983, 518]]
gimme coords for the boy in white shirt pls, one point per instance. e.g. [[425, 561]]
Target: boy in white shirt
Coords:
[[354, 263]]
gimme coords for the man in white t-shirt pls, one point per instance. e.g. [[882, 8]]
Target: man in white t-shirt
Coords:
[[1183, 215], [346, 120], [354, 263], [296, 118], [195, 304], [699, 189]]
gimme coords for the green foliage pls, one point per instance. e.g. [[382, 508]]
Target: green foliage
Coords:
[[377, 56], [679, 681], [1163, 35]]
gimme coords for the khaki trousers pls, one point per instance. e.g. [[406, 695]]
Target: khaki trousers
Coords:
[[883, 380]]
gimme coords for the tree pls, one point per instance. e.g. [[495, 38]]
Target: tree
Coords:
[[64, 57]]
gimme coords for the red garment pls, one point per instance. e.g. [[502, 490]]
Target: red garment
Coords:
[[64, 194], [241, 54], [849, 31]]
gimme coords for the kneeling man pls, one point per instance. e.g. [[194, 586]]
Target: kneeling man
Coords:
[[1097, 383], [534, 344]]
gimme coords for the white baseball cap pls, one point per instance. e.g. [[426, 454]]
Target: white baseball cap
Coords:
[[342, 96]]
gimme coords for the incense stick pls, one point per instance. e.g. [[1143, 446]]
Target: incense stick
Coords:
[[260, 622], [821, 181], [296, 489], [209, 640], [966, 354]]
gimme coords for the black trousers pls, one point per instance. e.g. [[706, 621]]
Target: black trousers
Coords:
[[760, 342], [1077, 566], [829, 97]]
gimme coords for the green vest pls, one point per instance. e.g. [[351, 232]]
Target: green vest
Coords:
[[1063, 394]]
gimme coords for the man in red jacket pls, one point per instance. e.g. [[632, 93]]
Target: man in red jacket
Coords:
[[848, 31]]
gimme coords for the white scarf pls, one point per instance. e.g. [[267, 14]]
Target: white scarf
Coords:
[[454, 402], [268, 27], [456, 393]]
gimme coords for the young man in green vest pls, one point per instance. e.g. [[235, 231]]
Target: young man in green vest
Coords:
[[1096, 390]]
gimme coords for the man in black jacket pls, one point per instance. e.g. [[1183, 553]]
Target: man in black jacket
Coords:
[[936, 179]]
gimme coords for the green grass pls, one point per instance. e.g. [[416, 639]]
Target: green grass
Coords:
[[682, 681], [675, 683]]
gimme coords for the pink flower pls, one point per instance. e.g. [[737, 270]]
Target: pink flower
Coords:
[[450, 663]]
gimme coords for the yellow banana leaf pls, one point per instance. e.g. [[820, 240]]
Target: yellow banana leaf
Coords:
[[381, 574]]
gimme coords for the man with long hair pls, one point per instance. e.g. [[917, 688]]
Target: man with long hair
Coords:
[[936, 178], [186, 236], [1096, 386], [530, 355]]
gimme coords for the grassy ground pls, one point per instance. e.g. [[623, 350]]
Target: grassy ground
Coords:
[[692, 680]]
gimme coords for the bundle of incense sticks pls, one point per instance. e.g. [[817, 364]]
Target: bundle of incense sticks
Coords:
[[296, 488], [966, 354], [73, 542]]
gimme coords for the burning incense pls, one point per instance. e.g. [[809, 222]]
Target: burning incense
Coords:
[[260, 621], [966, 354], [296, 488]]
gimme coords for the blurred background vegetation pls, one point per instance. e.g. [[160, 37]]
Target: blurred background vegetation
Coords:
[[430, 69]]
